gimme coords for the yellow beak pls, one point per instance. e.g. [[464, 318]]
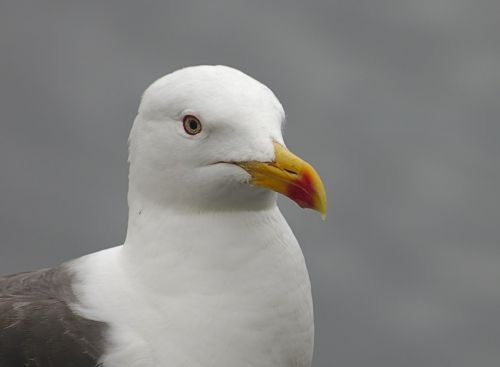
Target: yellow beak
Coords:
[[291, 176]]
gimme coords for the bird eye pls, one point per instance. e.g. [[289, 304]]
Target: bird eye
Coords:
[[192, 125]]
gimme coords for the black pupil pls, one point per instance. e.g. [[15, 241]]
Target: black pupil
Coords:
[[193, 124]]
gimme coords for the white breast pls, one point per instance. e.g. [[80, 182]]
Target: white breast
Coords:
[[225, 296]]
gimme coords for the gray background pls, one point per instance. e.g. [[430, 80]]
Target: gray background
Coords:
[[396, 103]]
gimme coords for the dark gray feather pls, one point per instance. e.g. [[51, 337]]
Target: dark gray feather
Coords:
[[37, 326]]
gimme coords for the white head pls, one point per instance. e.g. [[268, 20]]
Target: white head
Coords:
[[175, 164]]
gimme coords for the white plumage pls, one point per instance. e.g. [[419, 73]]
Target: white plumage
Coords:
[[210, 274]]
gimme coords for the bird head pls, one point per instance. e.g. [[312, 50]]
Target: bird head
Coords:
[[210, 138]]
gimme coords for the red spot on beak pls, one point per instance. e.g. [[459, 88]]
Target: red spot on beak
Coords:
[[302, 191]]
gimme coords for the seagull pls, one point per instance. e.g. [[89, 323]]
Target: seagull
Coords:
[[210, 274]]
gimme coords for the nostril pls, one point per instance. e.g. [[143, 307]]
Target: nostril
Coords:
[[290, 171]]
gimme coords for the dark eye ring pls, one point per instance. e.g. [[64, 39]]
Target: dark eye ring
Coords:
[[191, 124]]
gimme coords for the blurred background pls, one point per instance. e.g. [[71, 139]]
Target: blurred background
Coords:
[[396, 103]]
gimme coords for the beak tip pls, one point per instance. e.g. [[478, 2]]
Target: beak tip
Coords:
[[320, 199], [322, 209]]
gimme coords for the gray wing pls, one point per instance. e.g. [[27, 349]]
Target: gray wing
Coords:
[[38, 328]]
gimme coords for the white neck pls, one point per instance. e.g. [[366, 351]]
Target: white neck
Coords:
[[202, 249], [236, 280]]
